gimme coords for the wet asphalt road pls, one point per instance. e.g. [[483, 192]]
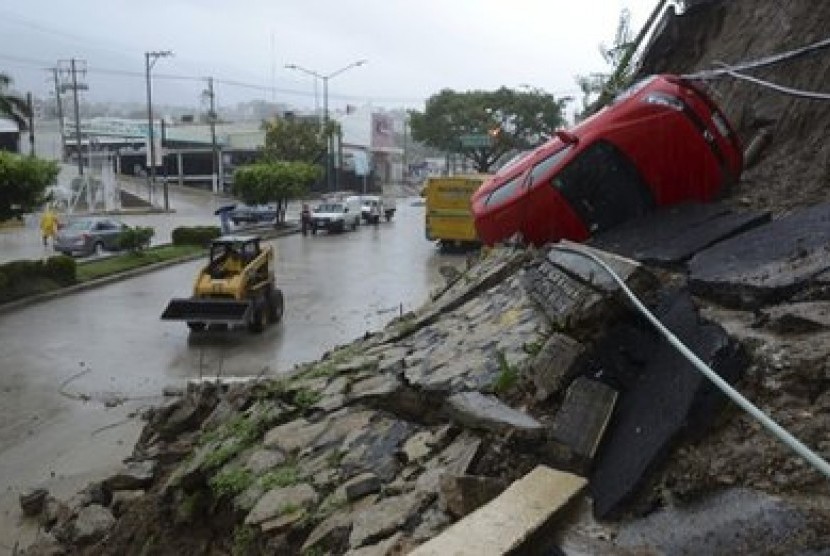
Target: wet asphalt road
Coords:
[[65, 360]]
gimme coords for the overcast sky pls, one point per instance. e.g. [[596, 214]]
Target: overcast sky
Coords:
[[413, 48]]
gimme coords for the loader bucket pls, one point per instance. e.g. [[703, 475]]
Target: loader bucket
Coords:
[[208, 311]]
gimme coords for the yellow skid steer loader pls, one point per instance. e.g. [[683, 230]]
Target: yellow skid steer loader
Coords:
[[237, 286]]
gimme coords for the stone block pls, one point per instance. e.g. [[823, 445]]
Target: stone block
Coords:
[[508, 522]]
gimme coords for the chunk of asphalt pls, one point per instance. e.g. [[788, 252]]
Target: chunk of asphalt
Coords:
[[670, 236], [581, 422], [661, 396], [767, 264]]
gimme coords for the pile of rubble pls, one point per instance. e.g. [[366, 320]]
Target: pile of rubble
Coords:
[[527, 370]]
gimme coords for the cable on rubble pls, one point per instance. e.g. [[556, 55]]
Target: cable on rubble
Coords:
[[779, 432]]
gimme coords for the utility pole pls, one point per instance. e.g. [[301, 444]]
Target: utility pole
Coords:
[[31, 108], [60, 113], [405, 170], [149, 61], [74, 71], [164, 168], [209, 93]]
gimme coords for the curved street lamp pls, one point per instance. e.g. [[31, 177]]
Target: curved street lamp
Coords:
[[325, 78]]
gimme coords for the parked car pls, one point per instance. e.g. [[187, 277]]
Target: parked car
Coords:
[[251, 214], [88, 235], [661, 142], [336, 216]]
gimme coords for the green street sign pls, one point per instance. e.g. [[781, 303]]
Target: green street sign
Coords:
[[475, 141]]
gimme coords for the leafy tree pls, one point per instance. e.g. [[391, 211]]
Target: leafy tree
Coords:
[[12, 106], [619, 55], [23, 183], [274, 182], [295, 140], [513, 120], [603, 86]]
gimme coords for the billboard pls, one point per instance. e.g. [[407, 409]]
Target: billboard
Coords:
[[383, 136]]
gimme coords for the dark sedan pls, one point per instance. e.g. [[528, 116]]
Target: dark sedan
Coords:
[[252, 214], [88, 235]]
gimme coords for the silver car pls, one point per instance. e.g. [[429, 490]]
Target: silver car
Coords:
[[88, 235]]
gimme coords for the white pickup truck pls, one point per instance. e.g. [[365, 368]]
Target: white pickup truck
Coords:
[[372, 207], [336, 216]]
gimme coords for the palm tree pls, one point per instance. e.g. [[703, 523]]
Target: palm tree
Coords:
[[12, 106]]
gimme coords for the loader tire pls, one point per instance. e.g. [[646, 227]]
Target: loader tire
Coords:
[[276, 305], [259, 318]]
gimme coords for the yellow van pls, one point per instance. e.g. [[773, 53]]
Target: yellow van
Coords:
[[448, 217]]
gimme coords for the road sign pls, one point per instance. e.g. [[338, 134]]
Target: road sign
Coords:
[[475, 140]]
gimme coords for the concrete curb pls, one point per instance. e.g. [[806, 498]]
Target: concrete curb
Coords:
[[12, 306]]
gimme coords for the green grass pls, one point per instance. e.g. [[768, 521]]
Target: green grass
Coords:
[[89, 270], [283, 476], [231, 482], [508, 375], [244, 541]]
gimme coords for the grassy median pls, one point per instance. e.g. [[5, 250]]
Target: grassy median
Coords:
[[98, 268]]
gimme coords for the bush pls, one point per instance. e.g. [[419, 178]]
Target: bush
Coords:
[[21, 278], [135, 239], [61, 269], [195, 235], [19, 272]]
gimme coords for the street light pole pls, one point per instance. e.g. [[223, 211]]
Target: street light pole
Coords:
[[149, 61], [329, 138]]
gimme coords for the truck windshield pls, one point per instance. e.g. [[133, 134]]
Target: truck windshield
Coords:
[[333, 207]]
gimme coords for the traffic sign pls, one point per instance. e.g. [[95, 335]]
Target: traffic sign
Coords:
[[475, 140]]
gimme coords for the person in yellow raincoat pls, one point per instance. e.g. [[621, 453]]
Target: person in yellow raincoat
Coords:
[[48, 225]]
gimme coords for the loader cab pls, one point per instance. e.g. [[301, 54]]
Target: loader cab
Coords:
[[230, 254]]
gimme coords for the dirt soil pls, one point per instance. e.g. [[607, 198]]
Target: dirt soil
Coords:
[[794, 169]]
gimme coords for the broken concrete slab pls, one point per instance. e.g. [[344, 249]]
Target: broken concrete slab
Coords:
[[386, 547], [279, 500], [134, 475], [574, 292], [262, 460], [672, 235], [332, 534], [91, 524], [358, 487], [767, 264], [581, 421], [294, 435], [505, 524], [455, 459], [463, 494], [386, 517], [480, 411], [554, 363], [373, 448], [798, 318], [661, 396]]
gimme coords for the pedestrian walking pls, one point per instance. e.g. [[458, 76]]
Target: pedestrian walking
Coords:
[[224, 214], [305, 219], [48, 226]]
